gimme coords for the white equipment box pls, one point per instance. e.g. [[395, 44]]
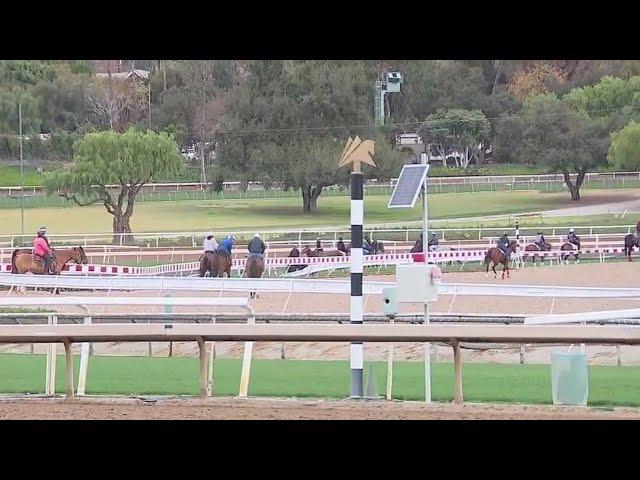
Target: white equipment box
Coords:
[[417, 283]]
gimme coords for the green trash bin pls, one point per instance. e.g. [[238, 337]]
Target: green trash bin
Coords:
[[569, 378]]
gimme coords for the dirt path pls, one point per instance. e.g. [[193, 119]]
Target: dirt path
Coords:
[[289, 409]]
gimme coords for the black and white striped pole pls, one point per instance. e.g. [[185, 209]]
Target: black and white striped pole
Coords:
[[357, 152]]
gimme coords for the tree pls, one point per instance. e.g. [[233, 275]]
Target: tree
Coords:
[[624, 151], [116, 102], [457, 130], [128, 160], [607, 97], [561, 140], [286, 124], [388, 160]]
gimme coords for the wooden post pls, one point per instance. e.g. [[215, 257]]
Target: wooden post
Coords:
[[203, 368], [618, 355], [69, 361], [170, 349], [50, 372], [246, 364], [84, 363], [212, 356], [457, 359], [522, 354], [390, 368]]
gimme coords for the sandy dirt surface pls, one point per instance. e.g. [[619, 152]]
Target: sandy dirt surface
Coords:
[[289, 409], [595, 274]]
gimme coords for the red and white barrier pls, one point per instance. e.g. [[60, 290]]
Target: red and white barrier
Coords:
[[342, 261]]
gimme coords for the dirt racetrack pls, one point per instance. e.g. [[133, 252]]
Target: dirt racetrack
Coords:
[[289, 409]]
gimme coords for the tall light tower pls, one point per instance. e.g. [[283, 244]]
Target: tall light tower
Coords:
[[390, 84]]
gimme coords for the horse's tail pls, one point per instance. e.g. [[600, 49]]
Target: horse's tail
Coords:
[[14, 269], [487, 259]]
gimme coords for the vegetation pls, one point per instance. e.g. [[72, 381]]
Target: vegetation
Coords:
[[282, 121], [129, 160]]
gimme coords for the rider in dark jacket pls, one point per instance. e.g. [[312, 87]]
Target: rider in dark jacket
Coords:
[[503, 244], [256, 246], [340, 246], [433, 241]]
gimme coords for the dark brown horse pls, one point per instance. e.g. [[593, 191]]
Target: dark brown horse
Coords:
[[294, 252], [224, 262], [254, 269], [568, 247], [495, 256], [630, 241], [533, 247], [208, 263]]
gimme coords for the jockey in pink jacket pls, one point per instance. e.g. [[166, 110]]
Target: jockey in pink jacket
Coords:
[[42, 249]]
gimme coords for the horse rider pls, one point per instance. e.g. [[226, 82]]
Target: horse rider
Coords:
[[367, 248], [42, 249], [340, 246], [319, 248], [572, 238], [433, 241], [540, 241], [209, 244], [637, 232], [226, 245], [503, 245], [256, 246]]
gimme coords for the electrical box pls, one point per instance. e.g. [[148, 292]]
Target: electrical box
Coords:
[[390, 302], [417, 283], [394, 80]]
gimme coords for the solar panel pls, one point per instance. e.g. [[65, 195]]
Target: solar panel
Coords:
[[408, 187]]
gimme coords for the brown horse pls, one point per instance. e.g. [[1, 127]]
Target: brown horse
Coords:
[[569, 247], [223, 263], [254, 269], [495, 256], [532, 247], [294, 253], [208, 263], [23, 261], [630, 241]]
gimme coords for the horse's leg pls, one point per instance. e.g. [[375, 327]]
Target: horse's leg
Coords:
[[493, 267]]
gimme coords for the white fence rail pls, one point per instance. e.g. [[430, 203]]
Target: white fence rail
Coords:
[[301, 286]]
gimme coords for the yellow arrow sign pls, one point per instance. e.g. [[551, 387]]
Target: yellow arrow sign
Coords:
[[356, 152]]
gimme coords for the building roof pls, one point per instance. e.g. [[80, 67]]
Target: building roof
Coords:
[[144, 74]]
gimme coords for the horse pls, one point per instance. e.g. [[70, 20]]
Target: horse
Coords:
[[534, 247], [630, 241], [24, 261], [294, 252], [223, 263], [208, 263], [495, 256], [254, 269], [568, 246]]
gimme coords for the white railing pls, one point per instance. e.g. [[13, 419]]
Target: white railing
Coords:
[[45, 331], [302, 236], [440, 181]]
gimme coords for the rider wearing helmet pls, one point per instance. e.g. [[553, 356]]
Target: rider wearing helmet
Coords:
[[341, 247], [209, 244], [256, 246], [572, 238], [503, 244], [226, 245], [42, 249], [433, 241], [540, 241]]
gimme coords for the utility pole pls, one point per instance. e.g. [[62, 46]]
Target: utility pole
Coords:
[[21, 174]]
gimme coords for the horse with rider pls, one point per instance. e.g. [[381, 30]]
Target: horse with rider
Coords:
[[632, 240], [42, 259]]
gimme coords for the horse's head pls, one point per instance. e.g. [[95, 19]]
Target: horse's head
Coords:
[[79, 256], [513, 246], [307, 251], [294, 252], [380, 246]]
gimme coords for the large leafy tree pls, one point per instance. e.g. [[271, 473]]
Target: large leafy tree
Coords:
[[287, 122], [561, 140], [124, 160], [457, 130], [624, 151]]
